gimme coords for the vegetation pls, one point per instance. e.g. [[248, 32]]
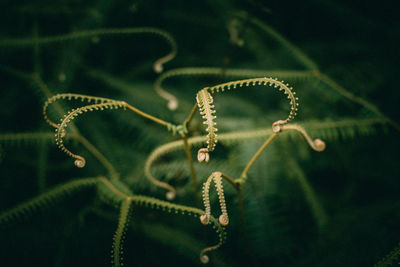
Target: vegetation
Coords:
[[120, 118]]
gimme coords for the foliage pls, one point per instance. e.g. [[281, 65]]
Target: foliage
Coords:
[[309, 184]]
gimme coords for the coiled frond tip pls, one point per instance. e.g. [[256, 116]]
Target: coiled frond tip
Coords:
[[80, 162], [204, 259], [224, 219], [202, 155], [170, 195], [204, 219], [319, 145]]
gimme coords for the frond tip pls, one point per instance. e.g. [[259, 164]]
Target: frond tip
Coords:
[[61, 128], [223, 218], [206, 108], [202, 155], [316, 144]]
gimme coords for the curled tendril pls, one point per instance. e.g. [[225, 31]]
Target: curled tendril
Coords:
[[316, 144], [80, 162], [223, 218], [69, 97], [60, 130]]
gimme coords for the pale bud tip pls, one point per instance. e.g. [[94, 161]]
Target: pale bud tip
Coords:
[[172, 105], [80, 163], [158, 68], [204, 220], [202, 155], [276, 128], [319, 145], [170, 195], [204, 259], [224, 220]]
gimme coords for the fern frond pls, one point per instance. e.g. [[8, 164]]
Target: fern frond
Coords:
[[120, 232], [223, 218], [153, 203], [205, 104], [69, 97], [60, 131], [311, 65], [328, 130], [206, 109], [173, 102], [158, 65], [46, 199]]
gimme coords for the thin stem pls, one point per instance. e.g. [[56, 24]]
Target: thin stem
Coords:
[[147, 116], [192, 171], [189, 119], [231, 181], [243, 176]]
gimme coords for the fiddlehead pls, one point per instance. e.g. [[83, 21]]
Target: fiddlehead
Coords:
[[223, 218], [69, 97], [205, 103], [60, 131], [316, 144], [298, 75], [153, 157], [116, 191]]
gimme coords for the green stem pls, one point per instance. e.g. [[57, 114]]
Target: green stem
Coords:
[[192, 170], [243, 176]]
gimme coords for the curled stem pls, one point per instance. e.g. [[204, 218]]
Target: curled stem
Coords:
[[243, 176], [316, 144]]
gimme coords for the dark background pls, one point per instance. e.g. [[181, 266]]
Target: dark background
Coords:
[[355, 180]]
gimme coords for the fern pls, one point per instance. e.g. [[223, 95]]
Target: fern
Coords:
[[205, 100], [44, 200], [212, 71], [60, 131], [120, 233]]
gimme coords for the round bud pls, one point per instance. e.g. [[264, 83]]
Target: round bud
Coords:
[[204, 259], [202, 155], [223, 219], [276, 128], [170, 195], [158, 68], [204, 220], [172, 105], [319, 145], [80, 163]]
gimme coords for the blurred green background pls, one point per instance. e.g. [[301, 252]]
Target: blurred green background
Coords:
[[354, 183]]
